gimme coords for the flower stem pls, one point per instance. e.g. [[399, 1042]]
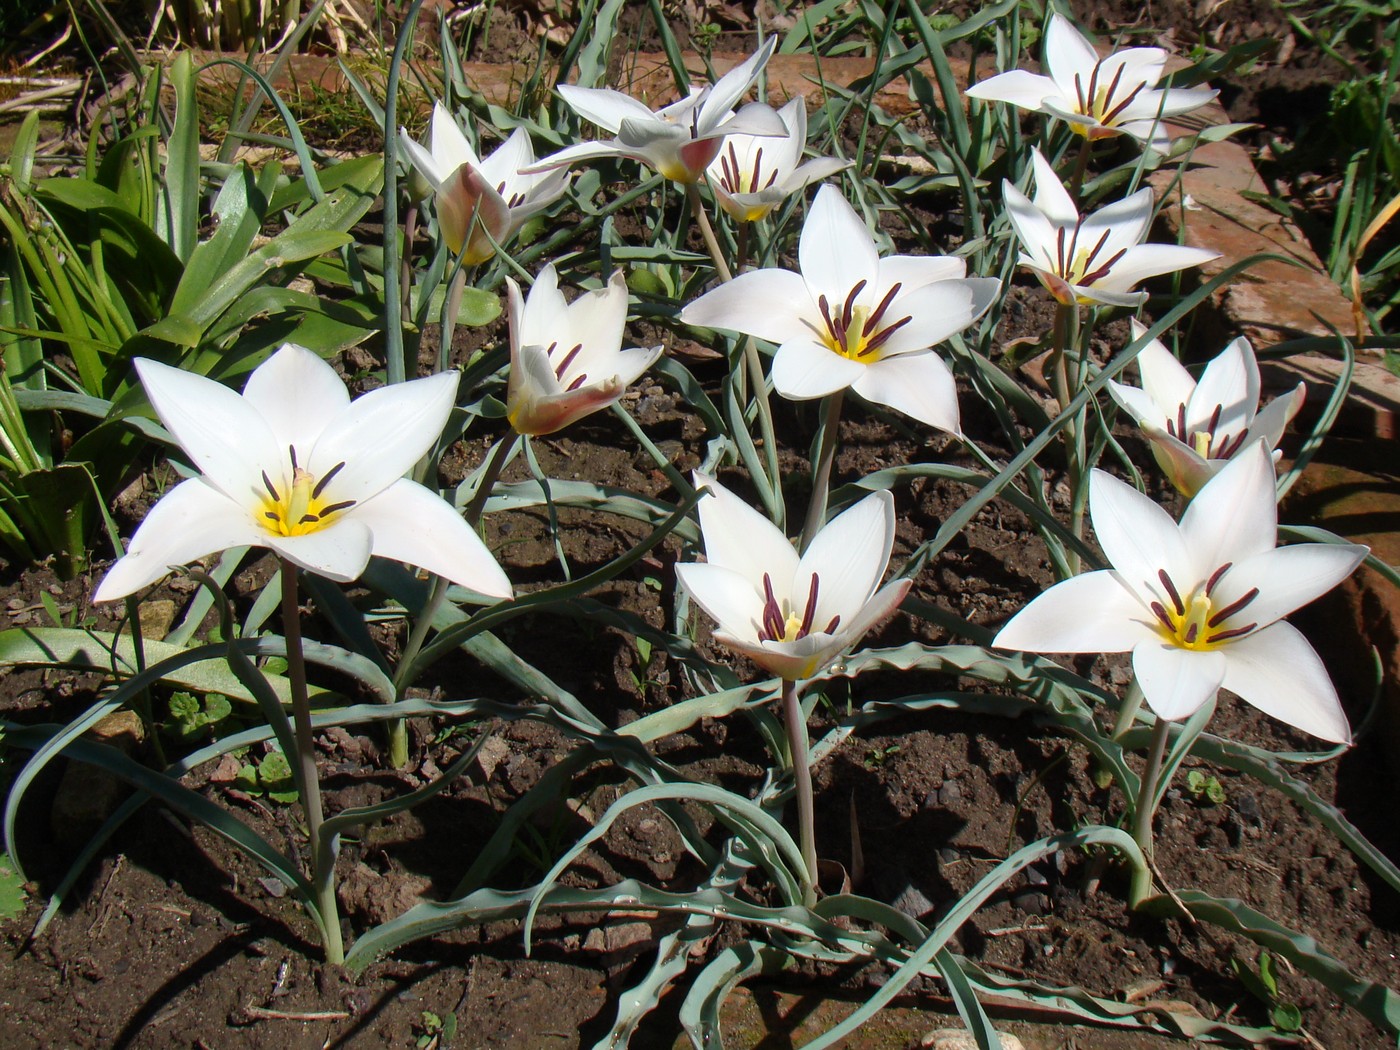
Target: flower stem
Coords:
[[1145, 811], [802, 786], [821, 468], [1081, 164], [410, 229], [308, 781], [1066, 326], [751, 359]]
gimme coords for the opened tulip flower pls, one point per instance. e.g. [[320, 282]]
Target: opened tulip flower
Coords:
[[1199, 604], [789, 615], [1097, 97], [1195, 428], [680, 140], [852, 319], [495, 191], [1094, 259], [566, 358], [753, 174], [293, 465]]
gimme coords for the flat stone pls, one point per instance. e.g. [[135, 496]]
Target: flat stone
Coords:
[[957, 1039]]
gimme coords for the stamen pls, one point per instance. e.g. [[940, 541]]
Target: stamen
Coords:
[[309, 518], [1181, 421], [1214, 420], [848, 311], [1112, 114], [757, 160], [879, 311], [326, 512], [1234, 607], [292, 451], [1160, 611], [1060, 238], [811, 608], [1079, 94], [583, 378], [1215, 577], [568, 360], [271, 490], [272, 515], [325, 480], [1172, 591], [1092, 94], [1234, 632], [883, 336], [1191, 631], [831, 627], [1102, 271], [772, 614], [1112, 87]]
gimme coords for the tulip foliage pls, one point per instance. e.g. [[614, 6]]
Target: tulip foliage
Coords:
[[768, 268]]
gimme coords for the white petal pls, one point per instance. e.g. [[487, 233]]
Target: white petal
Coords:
[[1051, 197], [1125, 222], [225, 436], [755, 119], [604, 107], [1137, 403], [770, 304], [1235, 516], [804, 369], [731, 600], [422, 159], [504, 164], [1138, 536], [883, 604], [731, 87], [912, 271], [1148, 260], [382, 435], [1067, 52], [1184, 467], [338, 552], [938, 311], [191, 520], [596, 320], [1230, 381], [412, 524], [741, 539], [1287, 578], [1175, 681], [1090, 613], [1164, 378], [575, 153], [793, 661], [298, 394], [848, 556], [450, 147], [1269, 424], [835, 250], [1017, 87], [544, 313], [1035, 232], [920, 385], [1277, 671]]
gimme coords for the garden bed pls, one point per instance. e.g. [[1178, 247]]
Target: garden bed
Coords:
[[175, 940]]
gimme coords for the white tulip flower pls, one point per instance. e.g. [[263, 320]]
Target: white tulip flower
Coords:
[[853, 319], [1097, 97], [292, 464], [1094, 259], [753, 174], [680, 140], [792, 616], [494, 190], [566, 359], [1200, 604], [1195, 428]]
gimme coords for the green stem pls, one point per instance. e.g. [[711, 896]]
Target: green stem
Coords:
[[741, 236], [1144, 812], [751, 358], [1072, 436], [1127, 713], [1081, 164], [802, 786], [308, 781], [410, 227], [451, 307], [821, 468]]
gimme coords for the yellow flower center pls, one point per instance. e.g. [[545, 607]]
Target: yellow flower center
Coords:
[[857, 331], [303, 508], [781, 623], [1198, 623]]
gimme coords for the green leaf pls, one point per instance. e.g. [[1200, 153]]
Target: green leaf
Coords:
[[12, 895]]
